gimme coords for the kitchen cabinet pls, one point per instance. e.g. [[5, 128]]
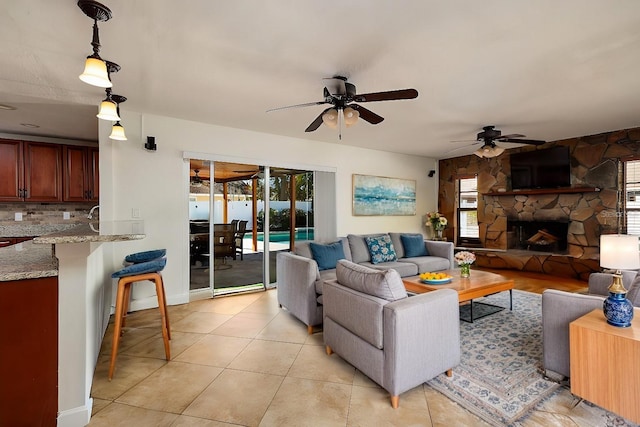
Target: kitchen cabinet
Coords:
[[29, 368], [81, 177], [10, 241], [30, 171]]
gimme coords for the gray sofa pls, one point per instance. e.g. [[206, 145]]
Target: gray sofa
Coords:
[[561, 308], [397, 341], [299, 279]]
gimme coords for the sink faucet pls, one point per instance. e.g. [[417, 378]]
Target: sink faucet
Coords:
[[90, 216]]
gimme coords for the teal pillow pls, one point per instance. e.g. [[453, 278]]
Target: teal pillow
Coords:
[[381, 249], [154, 266], [145, 256], [413, 245], [327, 256]]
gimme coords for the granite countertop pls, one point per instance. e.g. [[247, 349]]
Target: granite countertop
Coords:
[[105, 231], [35, 259], [27, 260]]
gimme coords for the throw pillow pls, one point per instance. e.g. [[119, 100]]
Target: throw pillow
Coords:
[[381, 249], [140, 268], [327, 256], [385, 284], [145, 256], [413, 245]]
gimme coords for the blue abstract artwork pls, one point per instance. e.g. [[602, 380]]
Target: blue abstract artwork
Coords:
[[376, 195]]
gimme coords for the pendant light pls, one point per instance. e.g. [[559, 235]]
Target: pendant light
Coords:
[[350, 116], [95, 68], [108, 108], [117, 130]]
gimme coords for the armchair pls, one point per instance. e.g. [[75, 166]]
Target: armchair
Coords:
[[398, 341], [560, 308]]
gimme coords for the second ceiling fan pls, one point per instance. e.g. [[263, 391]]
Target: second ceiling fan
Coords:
[[344, 108], [490, 135]]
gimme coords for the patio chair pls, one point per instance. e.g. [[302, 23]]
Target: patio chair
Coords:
[[239, 237]]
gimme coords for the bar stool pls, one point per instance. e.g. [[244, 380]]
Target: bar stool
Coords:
[[144, 267]]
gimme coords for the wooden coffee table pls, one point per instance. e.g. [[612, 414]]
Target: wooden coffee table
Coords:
[[479, 284]]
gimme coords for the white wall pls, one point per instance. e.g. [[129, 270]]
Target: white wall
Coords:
[[156, 183]]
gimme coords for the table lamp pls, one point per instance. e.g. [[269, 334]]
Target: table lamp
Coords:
[[619, 252]]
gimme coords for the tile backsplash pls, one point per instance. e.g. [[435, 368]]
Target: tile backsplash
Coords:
[[42, 218]]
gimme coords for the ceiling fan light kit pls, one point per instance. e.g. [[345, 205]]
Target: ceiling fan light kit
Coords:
[[344, 107], [490, 135]]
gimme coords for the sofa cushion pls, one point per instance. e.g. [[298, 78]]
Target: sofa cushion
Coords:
[[413, 245], [385, 284], [358, 247], [324, 275], [303, 249], [404, 269], [397, 244], [381, 249], [427, 263], [327, 255]]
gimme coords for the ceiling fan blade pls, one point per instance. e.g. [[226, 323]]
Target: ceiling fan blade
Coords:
[[308, 104], [367, 115], [511, 135], [522, 141], [316, 123], [386, 96]]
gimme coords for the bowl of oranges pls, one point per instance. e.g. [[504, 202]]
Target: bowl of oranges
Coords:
[[435, 278]]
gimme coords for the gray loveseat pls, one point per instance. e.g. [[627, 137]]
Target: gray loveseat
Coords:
[[300, 279], [561, 308], [397, 341]]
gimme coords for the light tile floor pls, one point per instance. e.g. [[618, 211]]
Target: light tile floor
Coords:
[[241, 360]]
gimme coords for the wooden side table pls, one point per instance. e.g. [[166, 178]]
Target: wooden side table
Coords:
[[605, 368]]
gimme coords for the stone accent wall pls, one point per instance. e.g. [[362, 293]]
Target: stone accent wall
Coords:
[[594, 163]]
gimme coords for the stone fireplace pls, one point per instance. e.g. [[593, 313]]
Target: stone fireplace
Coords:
[[539, 236], [581, 212]]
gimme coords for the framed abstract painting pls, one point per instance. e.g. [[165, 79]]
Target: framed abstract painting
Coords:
[[377, 195]]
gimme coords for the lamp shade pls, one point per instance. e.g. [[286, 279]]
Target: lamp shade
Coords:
[[95, 73], [350, 116], [108, 111], [619, 252], [489, 151], [117, 132], [330, 118]]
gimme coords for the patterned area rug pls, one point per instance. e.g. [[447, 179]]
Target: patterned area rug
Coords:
[[499, 378], [500, 374]]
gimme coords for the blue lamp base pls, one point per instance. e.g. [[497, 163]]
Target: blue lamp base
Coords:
[[618, 310]]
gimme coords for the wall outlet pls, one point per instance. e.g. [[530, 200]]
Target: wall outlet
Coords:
[[66, 215], [135, 213], [18, 216]]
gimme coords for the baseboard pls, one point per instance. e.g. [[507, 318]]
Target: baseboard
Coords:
[[76, 417]]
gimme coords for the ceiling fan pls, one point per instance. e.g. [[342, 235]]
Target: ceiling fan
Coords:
[[490, 135], [343, 107]]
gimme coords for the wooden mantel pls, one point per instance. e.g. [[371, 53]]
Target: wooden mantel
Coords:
[[565, 190]]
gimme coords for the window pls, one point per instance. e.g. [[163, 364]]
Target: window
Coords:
[[468, 230], [632, 196]]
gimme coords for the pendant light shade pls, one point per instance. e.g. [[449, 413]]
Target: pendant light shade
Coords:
[[95, 72], [489, 151], [330, 118], [108, 110], [117, 132], [350, 116]]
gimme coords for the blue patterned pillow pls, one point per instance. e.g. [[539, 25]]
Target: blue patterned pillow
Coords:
[[381, 249]]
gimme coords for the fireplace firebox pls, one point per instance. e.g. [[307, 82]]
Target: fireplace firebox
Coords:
[[540, 236]]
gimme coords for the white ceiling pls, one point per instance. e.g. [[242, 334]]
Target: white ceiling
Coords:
[[548, 69]]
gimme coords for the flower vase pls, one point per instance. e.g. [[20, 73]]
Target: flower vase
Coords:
[[465, 270], [439, 234]]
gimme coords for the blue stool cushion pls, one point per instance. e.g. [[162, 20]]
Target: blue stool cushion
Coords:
[[141, 268], [145, 256]]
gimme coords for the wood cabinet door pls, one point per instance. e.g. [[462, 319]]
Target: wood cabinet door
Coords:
[[94, 173], [11, 171], [43, 172], [75, 173]]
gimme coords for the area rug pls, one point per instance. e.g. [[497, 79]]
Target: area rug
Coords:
[[480, 310], [499, 378]]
